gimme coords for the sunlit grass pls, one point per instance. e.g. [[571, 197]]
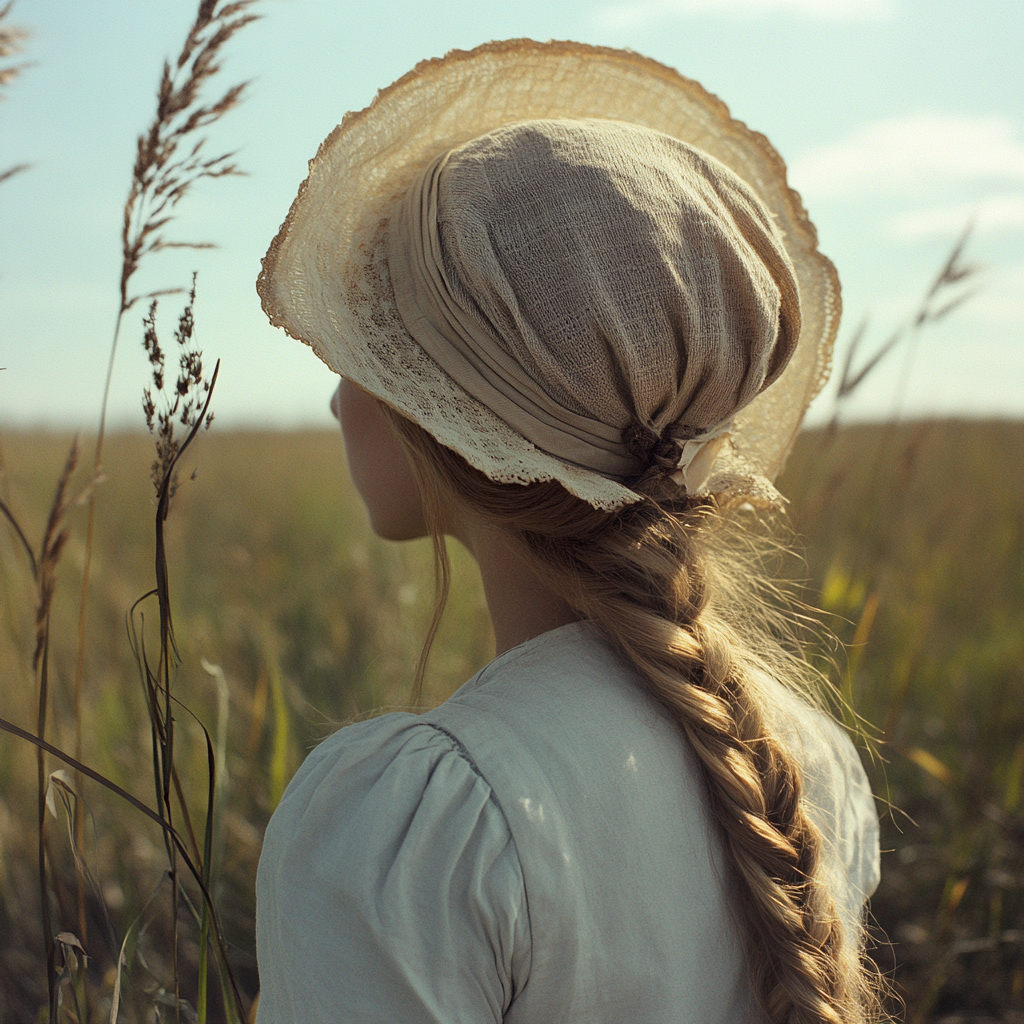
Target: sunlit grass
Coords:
[[913, 534], [921, 526]]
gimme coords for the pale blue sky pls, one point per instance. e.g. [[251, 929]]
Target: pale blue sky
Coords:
[[899, 119]]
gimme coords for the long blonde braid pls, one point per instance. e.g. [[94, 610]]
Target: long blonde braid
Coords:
[[640, 574]]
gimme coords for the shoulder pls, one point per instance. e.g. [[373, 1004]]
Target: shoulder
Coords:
[[386, 859], [371, 784], [571, 673]]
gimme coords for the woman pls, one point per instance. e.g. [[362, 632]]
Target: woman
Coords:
[[572, 335]]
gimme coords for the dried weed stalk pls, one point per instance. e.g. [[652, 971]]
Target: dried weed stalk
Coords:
[[170, 159], [44, 572], [55, 538], [183, 405], [54, 541], [941, 299], [168, 162], [175, 414], [953, 285], [170, 155], [11, 38]]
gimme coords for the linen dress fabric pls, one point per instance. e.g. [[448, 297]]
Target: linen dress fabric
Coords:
[[537, 849]]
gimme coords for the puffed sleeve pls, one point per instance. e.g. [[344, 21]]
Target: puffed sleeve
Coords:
[[839, 798], [389, 888]]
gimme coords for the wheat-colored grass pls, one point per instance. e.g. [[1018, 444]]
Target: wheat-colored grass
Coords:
[[313, 622]]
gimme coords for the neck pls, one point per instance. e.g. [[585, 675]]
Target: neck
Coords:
[[521, 606]]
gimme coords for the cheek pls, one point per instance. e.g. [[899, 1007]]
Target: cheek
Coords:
[[379, 466]]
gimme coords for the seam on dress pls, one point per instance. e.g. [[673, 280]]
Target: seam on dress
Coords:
[[467, 757], [461, 750]]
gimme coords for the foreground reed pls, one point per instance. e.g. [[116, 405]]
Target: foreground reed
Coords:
[[11, 39], [170, 160]]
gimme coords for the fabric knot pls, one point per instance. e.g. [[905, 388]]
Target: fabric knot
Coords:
[[640, 441], [667, 452], [659, 454], [684, 454], [696, 456]]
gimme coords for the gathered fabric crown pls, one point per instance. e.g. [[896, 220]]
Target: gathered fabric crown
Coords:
[[613, 294]]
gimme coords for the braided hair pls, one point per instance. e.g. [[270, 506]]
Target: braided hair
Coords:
[[646, 575]]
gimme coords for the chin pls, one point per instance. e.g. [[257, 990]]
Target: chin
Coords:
[[391, 528]]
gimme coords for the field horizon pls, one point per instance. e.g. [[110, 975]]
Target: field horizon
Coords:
[[292, 619]]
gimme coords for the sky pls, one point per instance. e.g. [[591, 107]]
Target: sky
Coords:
[[899, 120]]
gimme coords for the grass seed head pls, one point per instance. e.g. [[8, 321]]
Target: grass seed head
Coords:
[[169, 160], [55, 539], [183, 403], [11, 38]]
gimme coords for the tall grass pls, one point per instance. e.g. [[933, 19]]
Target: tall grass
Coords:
[[314, 622], [170, 160], [919, 554]]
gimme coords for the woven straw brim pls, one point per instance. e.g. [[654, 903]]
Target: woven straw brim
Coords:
[[325, 278]]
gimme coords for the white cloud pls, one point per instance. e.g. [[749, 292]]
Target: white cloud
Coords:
[[900, 155], [993, 215], [639, 13]]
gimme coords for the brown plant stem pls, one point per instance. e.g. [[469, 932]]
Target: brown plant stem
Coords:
[[44, 568], [21, 536], [162, 721], [168, 830], [160, 179], [44, 888]]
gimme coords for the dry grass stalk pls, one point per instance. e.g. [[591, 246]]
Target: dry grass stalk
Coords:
[[166, 167], [11, 38], [54, 541], [10, 172], [170, 159], [10, 517], [934, 307], [44, 571], [190, 394], [170, 155], [943, 296], [163, 174], [166, 408], [55, 538]]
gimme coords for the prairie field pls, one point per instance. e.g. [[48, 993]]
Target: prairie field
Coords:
[[290, 618]]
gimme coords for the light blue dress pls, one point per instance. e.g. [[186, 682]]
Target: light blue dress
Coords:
[[536, 850]]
